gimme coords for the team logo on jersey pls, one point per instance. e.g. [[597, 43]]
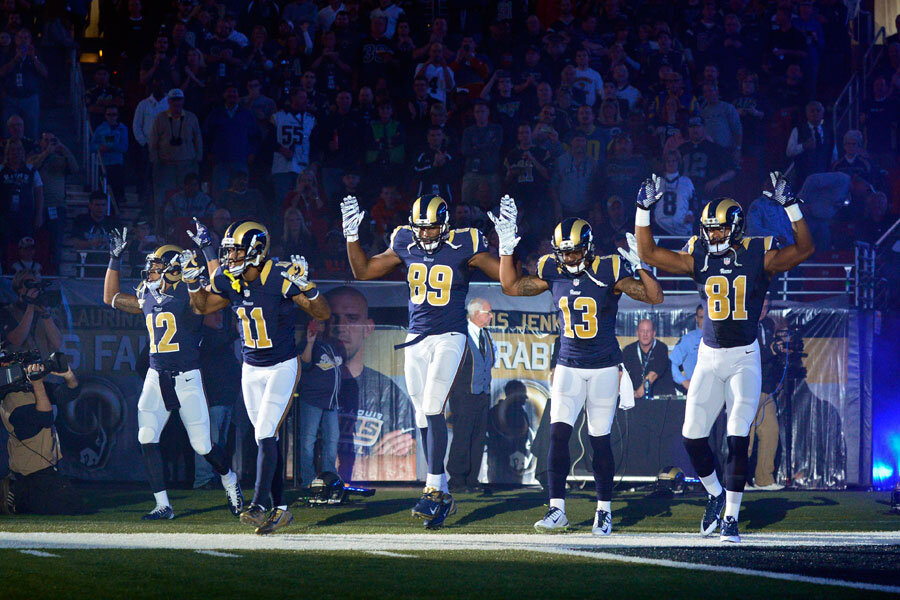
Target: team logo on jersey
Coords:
[[727, 260], [576, 282], [246, 293], [326, 363]]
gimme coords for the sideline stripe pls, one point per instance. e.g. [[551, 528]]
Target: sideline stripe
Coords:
[[658, 562], [216, 553], [39, 553], [386, 553]]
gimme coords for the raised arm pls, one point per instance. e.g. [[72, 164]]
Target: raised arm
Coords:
[[488, 263], [647, 289], [363, 267], [203, 300], [679, 263], [111, 294], [784, 259], [512, 281], [309, 299]]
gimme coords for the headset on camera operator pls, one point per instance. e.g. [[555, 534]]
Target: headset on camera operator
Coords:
[[28, 322], [27, 414]]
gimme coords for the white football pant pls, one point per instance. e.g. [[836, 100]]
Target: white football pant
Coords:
[[268, 392], [152, 413], [596, 390], [430, 367]]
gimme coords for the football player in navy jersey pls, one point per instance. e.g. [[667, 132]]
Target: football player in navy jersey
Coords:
[[263, 294], [586, 291], [438, 262], [733, 275], [173, 381]]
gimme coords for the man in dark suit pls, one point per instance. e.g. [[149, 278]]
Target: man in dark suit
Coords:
[[470, 400]]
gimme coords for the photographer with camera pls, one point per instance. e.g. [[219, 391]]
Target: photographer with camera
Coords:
[[28, 322], [36, 486]]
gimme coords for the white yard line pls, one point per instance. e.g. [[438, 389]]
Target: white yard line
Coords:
[[658, 562], [391, 554], [39, 553], [217, 553]]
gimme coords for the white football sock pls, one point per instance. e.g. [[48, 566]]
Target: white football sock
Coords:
[[604, 505], [712, 485], [733, 504], [229, 478], [433, 480], [282, 507], [162, 498], [559, 503]]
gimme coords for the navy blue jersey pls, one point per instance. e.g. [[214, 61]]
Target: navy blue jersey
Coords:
[[173, 328], [587, 307], [265, 312], [439, 282], [733, 287]]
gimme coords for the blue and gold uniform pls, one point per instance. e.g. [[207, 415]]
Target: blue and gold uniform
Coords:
[[438, 281], [733, 287], [587, 307], [173, 328], [264, 308]]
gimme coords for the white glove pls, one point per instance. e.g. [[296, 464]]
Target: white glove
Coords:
[[298, 273], [118, 241], [505, 226], [351, 217], [190, 269], [650, 192], [631, 255], [508, 208]]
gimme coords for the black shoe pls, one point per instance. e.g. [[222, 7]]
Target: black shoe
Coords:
[[254, 515], [730, 531], [711, 518], [234, 497], [446, 508], [160, 513]]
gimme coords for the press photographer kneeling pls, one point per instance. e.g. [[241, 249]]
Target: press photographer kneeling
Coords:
[[36, 486]]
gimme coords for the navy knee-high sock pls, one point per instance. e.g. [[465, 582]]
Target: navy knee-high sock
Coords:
[[423, 431], [702, 458], [217, 459], [436, 447], [559, 459], [266, 461], [154, 463], [604, 466], [736, 463], [278, 480]]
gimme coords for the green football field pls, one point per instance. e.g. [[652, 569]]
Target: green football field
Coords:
[[796, 545]]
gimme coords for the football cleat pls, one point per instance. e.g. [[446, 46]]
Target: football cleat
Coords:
[[446, 508], [711, 518], [429, 504], [730, 531], [554, 520], [254, 515], [235, 497], [602, 523], [277, 519], [159, 513]]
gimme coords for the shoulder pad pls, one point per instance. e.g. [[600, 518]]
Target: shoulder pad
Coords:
[[690, 244], [615, 262], [266, 270], [542, 265], [397, 230]]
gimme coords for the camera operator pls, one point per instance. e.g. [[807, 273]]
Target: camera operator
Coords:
[[27, 414], [28, 323]]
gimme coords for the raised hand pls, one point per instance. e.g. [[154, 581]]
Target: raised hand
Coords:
[[505, 226], [190, 268], [298, 273], [631, 255], [651, 192], [782, 193], [118, 241], [351, 217], [202, 237]]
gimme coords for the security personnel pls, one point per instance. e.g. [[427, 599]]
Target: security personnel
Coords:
[[470, 400]]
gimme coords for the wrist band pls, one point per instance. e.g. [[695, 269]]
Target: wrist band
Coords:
[[352, 237], [114, 263], [194, 286], [642, 218], [209, 253], [312, 297], [113, 303], [793, 212]]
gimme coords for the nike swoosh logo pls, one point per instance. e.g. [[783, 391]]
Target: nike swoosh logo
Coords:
[[748, 352], [434, 510], [191, 379]]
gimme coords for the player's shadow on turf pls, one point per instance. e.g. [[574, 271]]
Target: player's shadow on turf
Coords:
[[366, 511], [639, 509], [120, 501], [498, 507], [762, 512]]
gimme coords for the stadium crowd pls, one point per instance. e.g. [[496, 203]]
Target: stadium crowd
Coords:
[[276, 109]]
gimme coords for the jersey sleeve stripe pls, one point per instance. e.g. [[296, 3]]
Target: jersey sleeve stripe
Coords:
[[212, 285], [540, 265], [474, 233], [691, 243], [267, 268], [769, 241], [616, 265]]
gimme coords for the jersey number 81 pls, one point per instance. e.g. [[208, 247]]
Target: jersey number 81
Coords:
[[718, 302], [439, 279]]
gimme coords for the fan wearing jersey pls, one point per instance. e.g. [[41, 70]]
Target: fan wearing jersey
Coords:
[[438, 262], [589, 375], [293, 130], [262, 293], [173, 381], [672, 214], [733, 275]]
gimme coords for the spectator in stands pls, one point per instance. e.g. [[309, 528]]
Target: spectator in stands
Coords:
[[338, 135], [766, 217], [232, 138], [141, 128], [469, 70], [22, 199], [15, 127], [824, 195], [481, 144], [528, 170], [295, 238], [811, 145], [189, 202], [294, 128], [54, 162], [240, 200], [706, 163], [103, 94], [222, 55], [754, 111], [853, 162], [786, 44], [721, 121], [385, 145], [624, 169], [684, 354], [388, 205], [435, 168], [587, 80], [808, 24], [647, 362], [377, 55], [876, 219], [325, 17], [22, 78], [110, 139], [436, 72], [176, 146], [674, 82], [574, 180], [674, 214], [90, 231], [160, 63], [624, 90], [879, 117]]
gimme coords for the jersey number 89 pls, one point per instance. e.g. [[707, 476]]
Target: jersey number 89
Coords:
[[439, 279], [718, 301]]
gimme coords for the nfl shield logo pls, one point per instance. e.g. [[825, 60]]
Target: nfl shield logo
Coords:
[[727, 260], [246, 293], [576, 282]]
